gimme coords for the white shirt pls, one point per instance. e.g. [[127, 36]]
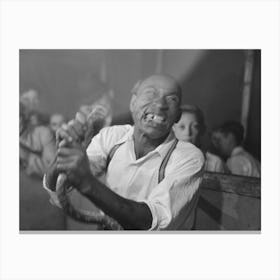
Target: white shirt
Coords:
[[172, 201], [214, 164], [242, 163]]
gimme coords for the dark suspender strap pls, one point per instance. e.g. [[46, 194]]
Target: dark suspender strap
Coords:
[[161, 173], [111, 154]]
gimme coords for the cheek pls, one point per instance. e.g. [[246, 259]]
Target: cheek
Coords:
[[176, 130], [181, 133]]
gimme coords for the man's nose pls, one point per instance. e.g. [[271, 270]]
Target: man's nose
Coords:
[[161, 103]]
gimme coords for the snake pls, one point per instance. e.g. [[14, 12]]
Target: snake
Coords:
[[105, 222]]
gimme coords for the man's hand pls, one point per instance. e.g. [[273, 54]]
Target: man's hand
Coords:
[[74, 131], [83, 127], [73, 161]]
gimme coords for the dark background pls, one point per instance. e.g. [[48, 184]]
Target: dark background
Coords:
[[211, 79]]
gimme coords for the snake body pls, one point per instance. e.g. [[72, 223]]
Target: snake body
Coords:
[[90, 217]]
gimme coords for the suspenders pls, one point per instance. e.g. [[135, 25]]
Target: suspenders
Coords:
[[161, 173]]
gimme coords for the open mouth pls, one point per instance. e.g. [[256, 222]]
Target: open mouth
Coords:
[[154, 118]]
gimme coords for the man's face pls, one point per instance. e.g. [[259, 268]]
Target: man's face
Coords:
[[223, 143], [188, 128], [156, 106]]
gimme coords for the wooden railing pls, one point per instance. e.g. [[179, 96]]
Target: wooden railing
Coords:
[[229, 202]]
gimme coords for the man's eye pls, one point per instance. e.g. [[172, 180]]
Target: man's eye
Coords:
[[172, 98]]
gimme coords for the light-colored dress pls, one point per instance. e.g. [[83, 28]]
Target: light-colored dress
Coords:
[[37, 149]]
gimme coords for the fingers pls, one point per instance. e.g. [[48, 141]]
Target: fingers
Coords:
[[80, 117], [67, 158], [99, 112], [76, 129], [65, 167], [63, 134], [67, 152], [72, 132]]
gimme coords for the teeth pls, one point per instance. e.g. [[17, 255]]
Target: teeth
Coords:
[[155, 118], [149, 117], [158, 118]]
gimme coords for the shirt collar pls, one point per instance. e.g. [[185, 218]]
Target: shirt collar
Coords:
[[237, 150], [161, 149]]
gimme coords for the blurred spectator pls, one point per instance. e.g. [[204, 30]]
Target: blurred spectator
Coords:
[[34, 119], [37, 145], [56, 121], [191, 128], [228, 140], [29, 99]]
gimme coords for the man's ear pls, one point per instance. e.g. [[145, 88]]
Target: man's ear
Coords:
[[136, 87], [179, 115], [132, 103], [134, 95]]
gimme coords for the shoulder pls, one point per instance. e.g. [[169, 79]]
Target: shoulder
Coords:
[[188, 150], [238, 159], [114, 133], [238, 164], [185, 162], [188, 154], [108, 137], [214, 163], [213, 158]]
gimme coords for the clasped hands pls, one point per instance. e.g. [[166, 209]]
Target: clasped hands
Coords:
[[72, 140]]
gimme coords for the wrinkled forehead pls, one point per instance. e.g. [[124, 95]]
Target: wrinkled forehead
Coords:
[[160, 83]]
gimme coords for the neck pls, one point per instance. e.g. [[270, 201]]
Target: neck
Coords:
[[143, 144]]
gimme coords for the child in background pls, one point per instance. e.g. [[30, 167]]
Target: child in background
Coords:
[[191, 128], [56, 121], [228, 139]]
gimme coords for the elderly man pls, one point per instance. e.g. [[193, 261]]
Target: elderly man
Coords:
[[152, 180]]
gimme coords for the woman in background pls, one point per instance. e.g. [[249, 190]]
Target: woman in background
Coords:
[[191, 128]]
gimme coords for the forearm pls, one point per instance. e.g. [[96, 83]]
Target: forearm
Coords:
[[130, 214]]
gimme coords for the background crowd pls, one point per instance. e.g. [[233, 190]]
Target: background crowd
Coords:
[[225, 154]]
